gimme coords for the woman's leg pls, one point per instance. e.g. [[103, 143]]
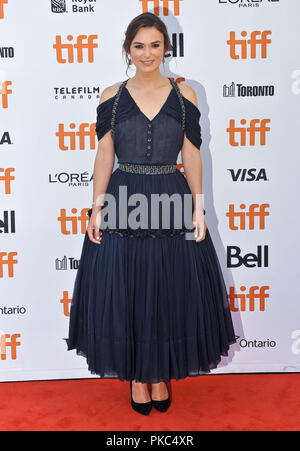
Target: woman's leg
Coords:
[[159, 391], [140, 392]]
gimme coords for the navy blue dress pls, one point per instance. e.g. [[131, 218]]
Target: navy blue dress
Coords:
[[147, 304]]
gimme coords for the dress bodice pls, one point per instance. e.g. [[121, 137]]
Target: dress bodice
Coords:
[[140, 140]]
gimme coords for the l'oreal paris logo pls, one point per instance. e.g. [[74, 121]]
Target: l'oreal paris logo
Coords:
[[248, 3]]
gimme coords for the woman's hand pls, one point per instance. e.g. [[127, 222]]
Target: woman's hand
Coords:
[[200, 225], [94, 233]]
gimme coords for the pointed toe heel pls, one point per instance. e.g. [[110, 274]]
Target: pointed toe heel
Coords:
[[144, 408], [162, 406]]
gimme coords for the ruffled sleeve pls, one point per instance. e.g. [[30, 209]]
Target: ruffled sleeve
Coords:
[[192, 125], [103, 121]]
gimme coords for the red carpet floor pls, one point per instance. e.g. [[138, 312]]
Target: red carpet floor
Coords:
[[265, 402]]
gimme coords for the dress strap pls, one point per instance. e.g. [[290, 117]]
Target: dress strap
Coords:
[[114, 108], [178, 92]]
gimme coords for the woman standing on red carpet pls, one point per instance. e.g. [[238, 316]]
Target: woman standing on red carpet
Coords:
[[149, 305]]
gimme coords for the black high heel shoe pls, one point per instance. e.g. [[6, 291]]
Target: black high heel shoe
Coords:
[[162, 406], [141, 407]]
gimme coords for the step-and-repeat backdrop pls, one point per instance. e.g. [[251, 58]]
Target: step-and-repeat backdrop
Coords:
[[242, 59]]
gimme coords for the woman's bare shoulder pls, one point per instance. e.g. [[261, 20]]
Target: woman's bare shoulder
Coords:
[[189, 93], [109, 92]]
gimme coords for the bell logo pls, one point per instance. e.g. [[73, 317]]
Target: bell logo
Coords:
[[66, 302], [6, 178], [4, 91], [2, 3], [254, 300], [7, 258], [9, 341], [83, 42], [257, 39], [83, 219], [238, 135], [240, 220], [85, 130], [165, 3], [235, 259]]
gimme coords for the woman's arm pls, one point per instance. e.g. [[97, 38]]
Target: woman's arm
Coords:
[[104, 160], [103, 165], [192, 164]]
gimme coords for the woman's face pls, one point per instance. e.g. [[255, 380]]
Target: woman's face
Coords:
[[147, 49]]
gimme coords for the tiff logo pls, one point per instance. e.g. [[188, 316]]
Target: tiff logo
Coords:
[[238, 135], [165, 4], [9, 341], [4, 91], [239, 48], [66, 302], [6, 178], [83, 42], [246, 219], [85, 131], [7, 258], [82, 219], [2, 3], [252, 301]]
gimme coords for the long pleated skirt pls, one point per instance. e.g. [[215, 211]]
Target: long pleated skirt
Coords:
[[149, 307]]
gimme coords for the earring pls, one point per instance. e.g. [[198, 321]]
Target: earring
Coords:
[[129, 60]]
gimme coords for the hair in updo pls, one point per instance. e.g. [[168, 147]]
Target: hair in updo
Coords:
[[144, 20]]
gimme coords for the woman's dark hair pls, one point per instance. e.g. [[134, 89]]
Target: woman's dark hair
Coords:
[[144, 20]]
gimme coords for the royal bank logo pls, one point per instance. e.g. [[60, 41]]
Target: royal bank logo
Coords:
[[75, 6], [240, 90], [58, 6]]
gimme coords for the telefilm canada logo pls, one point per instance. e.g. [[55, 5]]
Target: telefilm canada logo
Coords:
[[72, 93], [247, 3]]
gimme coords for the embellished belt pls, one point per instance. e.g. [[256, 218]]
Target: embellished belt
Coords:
[[147, 168]]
